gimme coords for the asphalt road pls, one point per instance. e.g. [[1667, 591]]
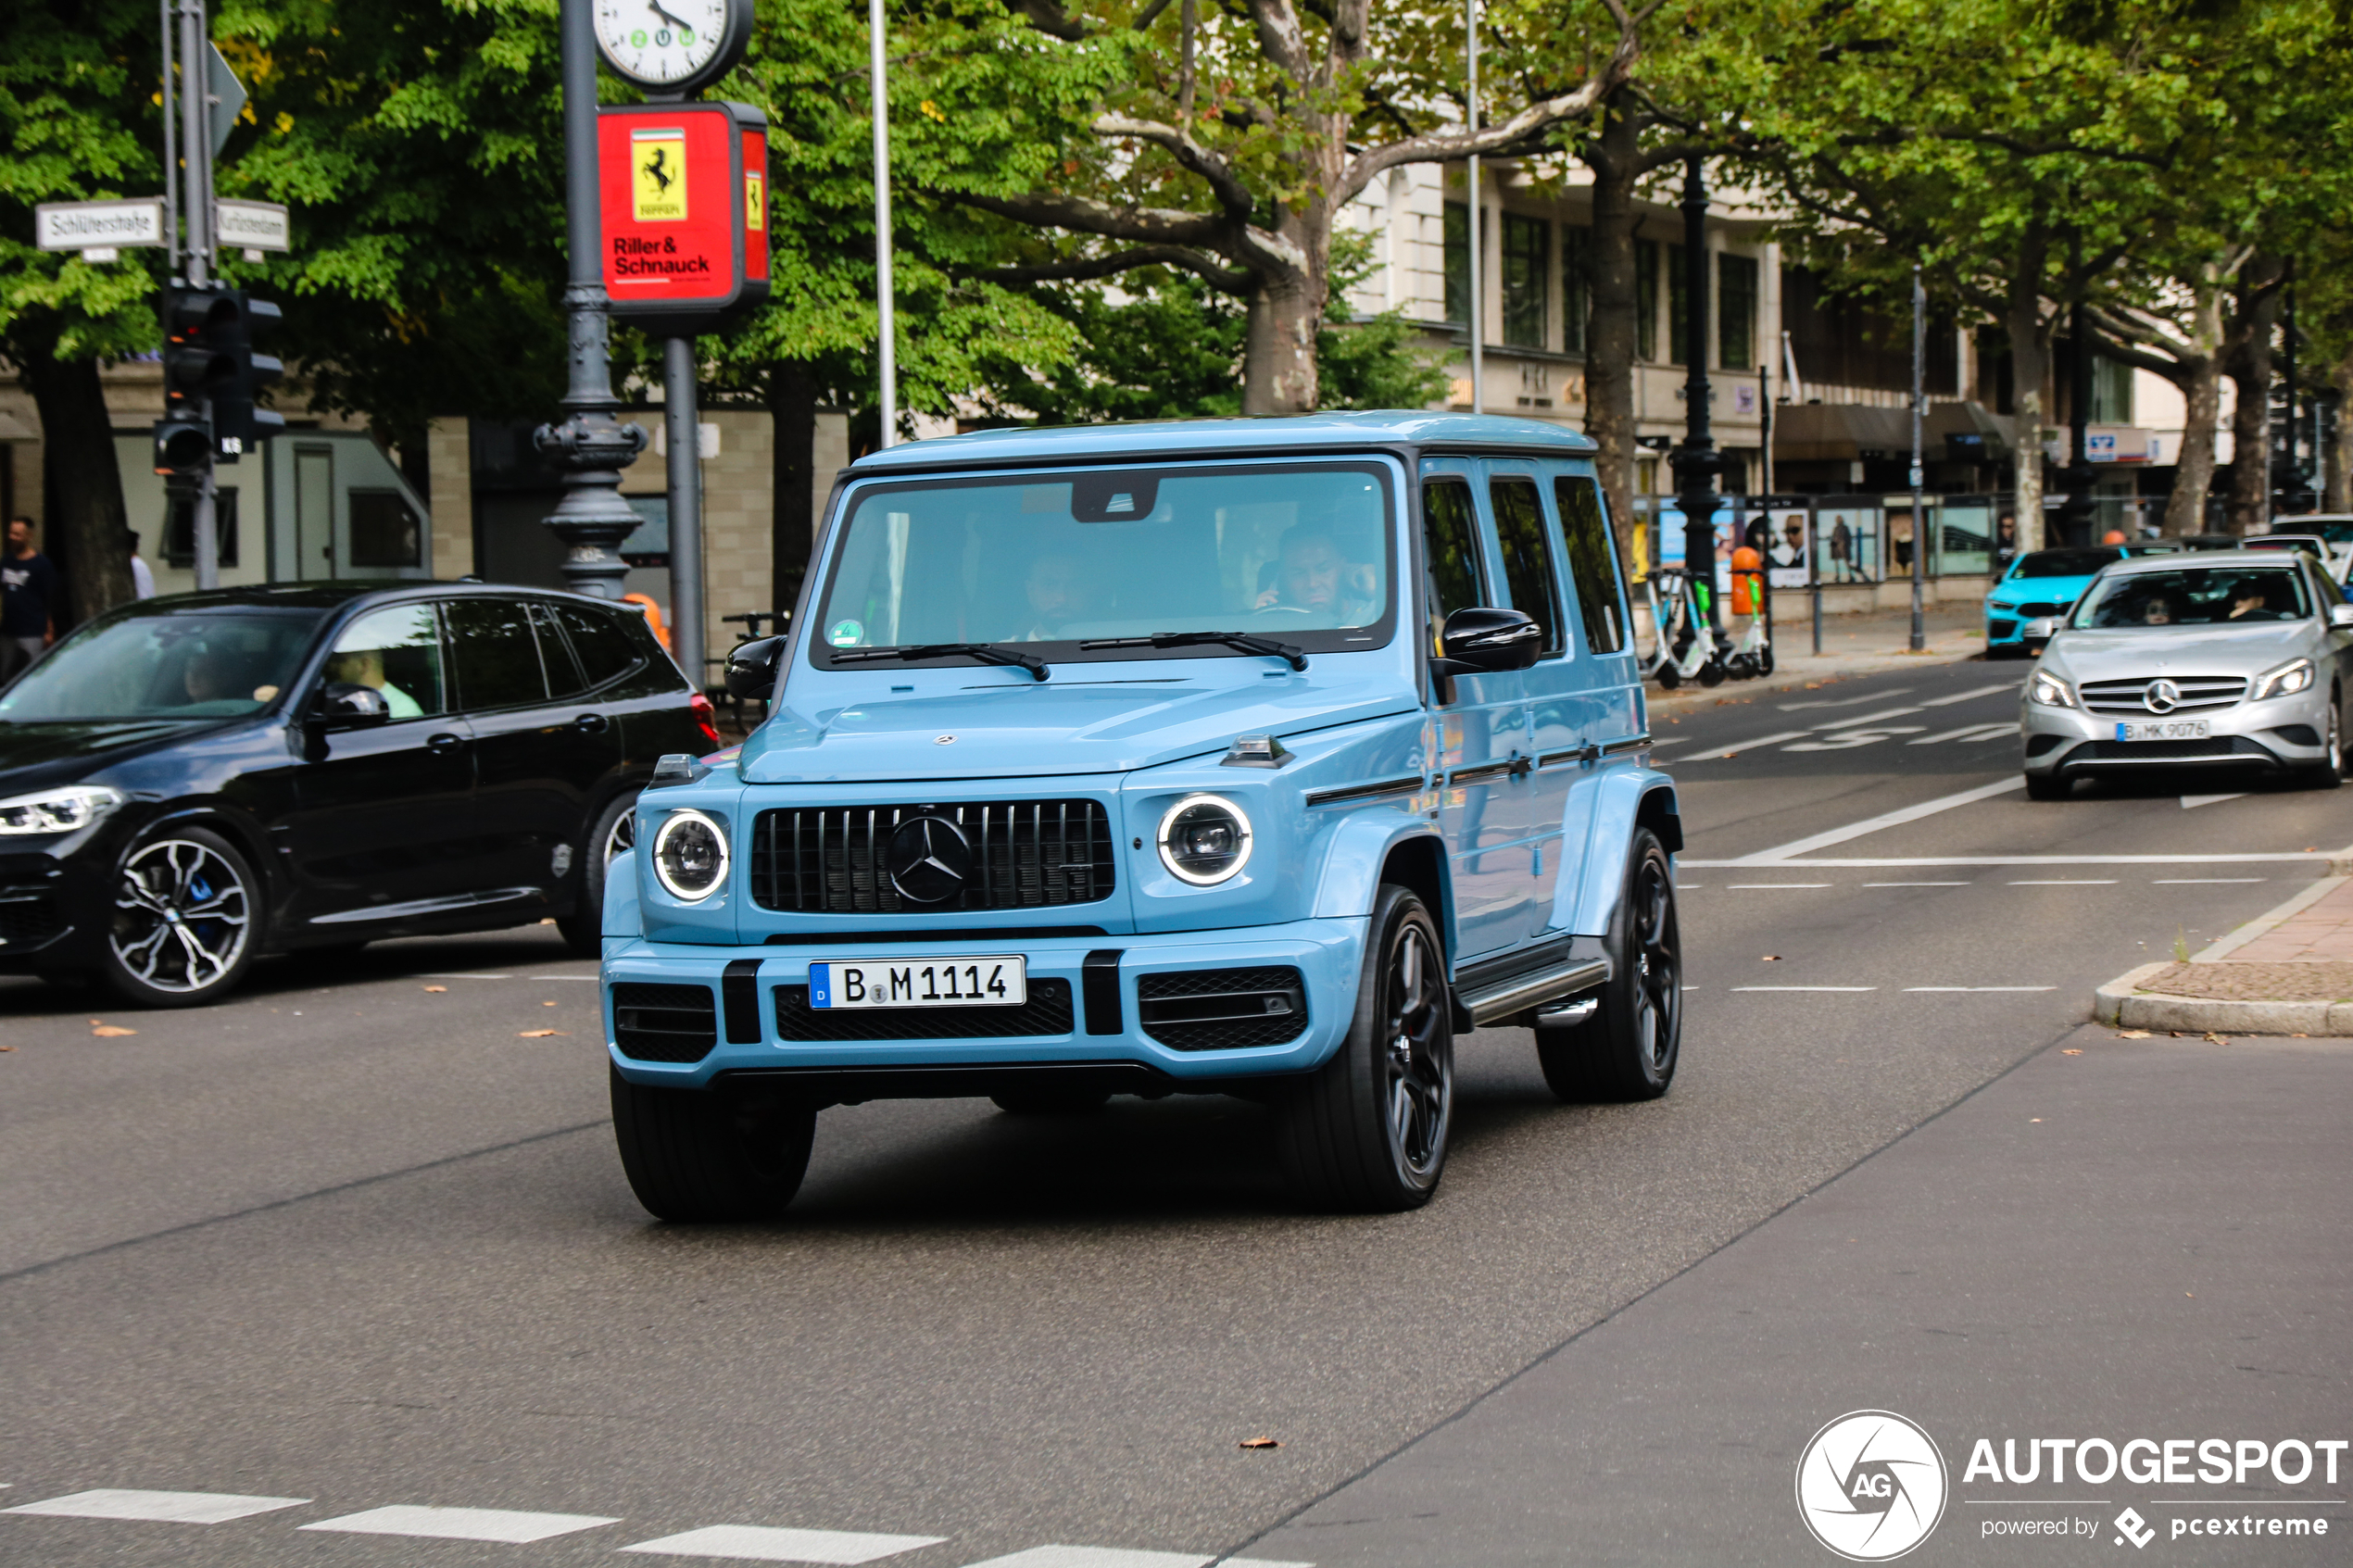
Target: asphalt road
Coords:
[[358, 1241]]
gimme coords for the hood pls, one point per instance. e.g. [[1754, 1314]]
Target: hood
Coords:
[[1033, 729], [37, 755], [2038, 590], [2179, 650]]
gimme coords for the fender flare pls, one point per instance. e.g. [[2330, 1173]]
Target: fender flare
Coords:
[[621, 916], [1629, 798], [1358, 850]]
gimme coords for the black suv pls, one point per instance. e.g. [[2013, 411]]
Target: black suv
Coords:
[[192, 782]]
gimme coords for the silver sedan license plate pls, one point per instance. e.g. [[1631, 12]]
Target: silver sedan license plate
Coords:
[[2163, 729], [919, 982]]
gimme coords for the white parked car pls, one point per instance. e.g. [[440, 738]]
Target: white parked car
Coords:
[[2231, 660]]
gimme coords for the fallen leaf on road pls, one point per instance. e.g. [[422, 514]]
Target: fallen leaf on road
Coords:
[[537, 1034], [8, 1048], [112, 1031], [2034, 1119], [2133, 1035], [1770, 958], [436, 988], [2070, 1053], [1260, 1443], [546, 1004], [2214, 1039]]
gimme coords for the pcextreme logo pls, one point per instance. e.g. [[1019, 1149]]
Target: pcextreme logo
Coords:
[[1871, 1486]]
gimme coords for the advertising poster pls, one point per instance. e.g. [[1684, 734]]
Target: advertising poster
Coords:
[[1786, 554], [1846, 543]]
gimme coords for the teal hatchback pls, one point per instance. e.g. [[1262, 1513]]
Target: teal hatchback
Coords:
[[1254, 758]]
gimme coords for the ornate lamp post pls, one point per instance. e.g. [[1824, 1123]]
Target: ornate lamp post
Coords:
[[1696, 463]]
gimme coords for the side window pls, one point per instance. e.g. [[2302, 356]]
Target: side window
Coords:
[[1450, 540], [398, 651], [1528, 555], [1593, 563], [603, 647], [563, 673], [497, 657]]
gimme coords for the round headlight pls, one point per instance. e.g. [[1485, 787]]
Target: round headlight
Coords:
[[1205, 839], [690, 854]]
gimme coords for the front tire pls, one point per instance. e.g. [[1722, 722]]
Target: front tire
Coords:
[[1366, 1132], [2049, 786], [2330, 771], [697, 1155], [186, 916], [611, 835], [1627, 1050]]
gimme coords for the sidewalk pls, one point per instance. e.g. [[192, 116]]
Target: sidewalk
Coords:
[[2287, 973], [1871, 643]]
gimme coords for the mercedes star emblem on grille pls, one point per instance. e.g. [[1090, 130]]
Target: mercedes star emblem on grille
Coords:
[[2163, 697], [928, 859]]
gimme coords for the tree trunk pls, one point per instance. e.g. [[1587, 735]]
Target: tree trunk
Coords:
[[2249, 366], [2030, 366], [1610, 335], [2338, 480], [87, 534], [1279, 360], [792, 408], [2201, 379]]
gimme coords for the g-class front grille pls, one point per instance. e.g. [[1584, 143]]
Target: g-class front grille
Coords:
[[2192, 694], [1014, 855]]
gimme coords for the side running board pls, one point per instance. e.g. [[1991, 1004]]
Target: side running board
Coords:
[[1493, 1001]]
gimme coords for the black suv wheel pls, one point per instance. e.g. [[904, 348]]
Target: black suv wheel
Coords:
[[1628, 1048]]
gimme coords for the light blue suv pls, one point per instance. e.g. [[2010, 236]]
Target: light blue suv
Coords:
[[1253, 758]]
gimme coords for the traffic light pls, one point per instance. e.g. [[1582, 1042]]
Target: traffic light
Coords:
[[183, 450], [238, 420], [195, 366]]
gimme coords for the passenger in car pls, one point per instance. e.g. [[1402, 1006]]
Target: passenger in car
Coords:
[[365, 667]]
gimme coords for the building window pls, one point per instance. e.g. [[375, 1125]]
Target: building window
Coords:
[[2111, 392], [180, 529], [1458, 264], [1646, 299], [1577, 285], [384, 533], [1736, 311], [1528, 256]]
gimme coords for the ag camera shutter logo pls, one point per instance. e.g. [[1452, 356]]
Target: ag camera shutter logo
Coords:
[[1871, 1486]]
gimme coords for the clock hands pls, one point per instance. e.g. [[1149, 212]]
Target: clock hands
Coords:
[[655, 7]]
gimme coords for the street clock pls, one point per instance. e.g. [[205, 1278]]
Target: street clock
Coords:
[[672, 47]]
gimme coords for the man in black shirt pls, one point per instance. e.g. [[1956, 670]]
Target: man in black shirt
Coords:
[[30, 599]]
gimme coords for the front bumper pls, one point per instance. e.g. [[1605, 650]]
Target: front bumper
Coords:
[[2278, 733], [758, 996]]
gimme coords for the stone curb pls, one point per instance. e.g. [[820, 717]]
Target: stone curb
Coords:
[[2233, 940], [2118, 1005]]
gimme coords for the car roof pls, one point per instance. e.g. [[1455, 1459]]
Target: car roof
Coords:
[[2199, 560], [1239, 438], [335, 595]]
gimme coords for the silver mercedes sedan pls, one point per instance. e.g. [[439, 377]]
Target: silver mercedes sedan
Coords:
[[2223, 659]]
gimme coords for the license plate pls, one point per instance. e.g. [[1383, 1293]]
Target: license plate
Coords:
[[2163, 729], [919, 982]]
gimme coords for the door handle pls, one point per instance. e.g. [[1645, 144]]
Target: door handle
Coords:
[[591, 723], [444, 743]]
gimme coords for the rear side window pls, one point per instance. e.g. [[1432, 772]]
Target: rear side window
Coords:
[[555, 657], [1593, 563], [603, 645], [1528, 555], [397, 651], [1450, 540], [496, 656]]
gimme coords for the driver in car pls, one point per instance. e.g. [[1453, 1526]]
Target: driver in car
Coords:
[[1315, 578]]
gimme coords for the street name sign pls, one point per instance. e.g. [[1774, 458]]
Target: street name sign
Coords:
[[103, 225], [254, 225]]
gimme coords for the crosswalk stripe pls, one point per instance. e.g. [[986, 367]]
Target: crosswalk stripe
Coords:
[[512, 1526], [760, 1543], [174, 1508], [1970, 733]]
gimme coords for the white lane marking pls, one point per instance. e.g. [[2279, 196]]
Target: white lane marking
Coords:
[[2067, 882], [1668, 740], [1805, 987], [1854, 740], [2201, 881], [440, 974], [512, 1526], [760, 1543], [1779, 884], [2192, 802], [1754, 862], [174, 1508], [1862, 719], [1968, 733], [1919, 884], [1736, 750], [1981, 987], [1848, 701], [1875, 824], [1971, 694]]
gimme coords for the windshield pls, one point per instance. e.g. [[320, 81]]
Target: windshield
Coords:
[[2209, 595], [199, 663], [2065, 563], [1295, 552]]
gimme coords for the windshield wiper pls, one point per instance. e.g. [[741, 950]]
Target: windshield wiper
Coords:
[[987, 653], [1247, 642]]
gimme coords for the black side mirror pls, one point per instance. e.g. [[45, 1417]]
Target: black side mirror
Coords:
[[345, 704], [751, 668], [1482, 641]]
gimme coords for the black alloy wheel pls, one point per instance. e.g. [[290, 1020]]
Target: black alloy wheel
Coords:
[[1368, 1130], [2329, 771], [184, 926], [1630, 1048]]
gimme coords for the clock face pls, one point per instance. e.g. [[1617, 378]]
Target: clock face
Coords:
[[660, 43]]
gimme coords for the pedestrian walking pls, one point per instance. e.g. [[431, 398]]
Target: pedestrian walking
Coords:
[[29, 599], [142, 577]]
